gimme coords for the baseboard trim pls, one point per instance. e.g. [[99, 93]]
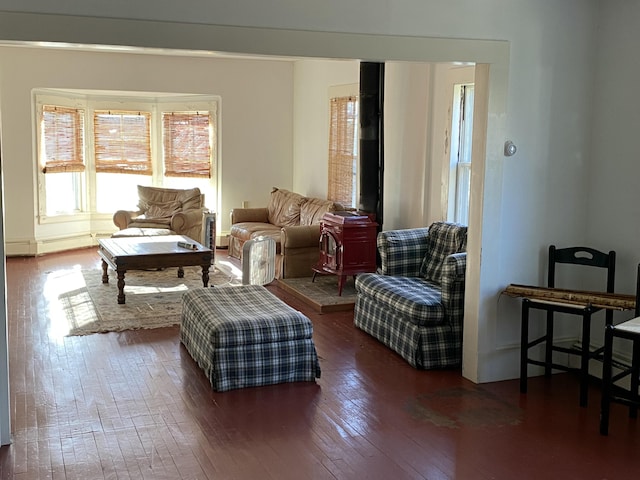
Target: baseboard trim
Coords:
[[33, 248]]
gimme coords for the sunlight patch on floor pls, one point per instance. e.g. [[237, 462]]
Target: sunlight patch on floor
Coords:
[[230, 269], [64, 282]]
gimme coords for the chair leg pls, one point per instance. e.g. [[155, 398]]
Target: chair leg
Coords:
[[584, 359], [548, 354], [524, 342], [635, 379], [605, 405]]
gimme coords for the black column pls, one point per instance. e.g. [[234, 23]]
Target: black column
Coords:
[[371, 167]]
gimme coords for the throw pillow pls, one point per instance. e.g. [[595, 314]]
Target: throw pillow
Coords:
[[443, 239]]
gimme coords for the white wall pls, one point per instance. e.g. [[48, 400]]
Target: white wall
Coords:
[[312, 79], [407, 97], [255, 127], [539, 96], [613, 199]]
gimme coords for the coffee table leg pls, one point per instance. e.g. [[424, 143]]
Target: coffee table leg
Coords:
[[105, 275], [180, 272], [121, 298], [205, 275]]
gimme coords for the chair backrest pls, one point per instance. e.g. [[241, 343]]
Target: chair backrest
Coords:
[[169, 199], [443, 239], [582, 256]]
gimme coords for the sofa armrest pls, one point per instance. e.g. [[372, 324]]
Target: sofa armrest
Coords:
[[239, 215], [186, 219], [122, 218], [299, 236], [453, 283], [402, 251]]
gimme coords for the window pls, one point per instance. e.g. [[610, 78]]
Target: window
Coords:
[[122, 142], [62, 157], [122, 157], [460, 160], [343, 152], [187, 144], [159, 140]]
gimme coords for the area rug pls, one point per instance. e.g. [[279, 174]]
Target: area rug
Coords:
[[153, 298], [322, 293]]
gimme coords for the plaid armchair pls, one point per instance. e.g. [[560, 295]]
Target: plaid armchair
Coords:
[[415, 303]]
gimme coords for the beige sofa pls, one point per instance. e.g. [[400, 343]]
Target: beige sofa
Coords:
[[178, 210], [293, 221]]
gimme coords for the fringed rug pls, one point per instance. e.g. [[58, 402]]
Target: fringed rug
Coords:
[[153, 298]]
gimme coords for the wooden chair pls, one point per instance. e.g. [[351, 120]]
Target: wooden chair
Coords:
[[612, 390], [584, 256]]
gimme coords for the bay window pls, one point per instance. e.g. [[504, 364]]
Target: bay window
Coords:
[[94, 149]]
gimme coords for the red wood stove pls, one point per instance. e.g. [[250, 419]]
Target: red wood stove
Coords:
[[347, 245]]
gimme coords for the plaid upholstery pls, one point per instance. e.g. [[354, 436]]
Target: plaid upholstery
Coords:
[[245, 336], [443, 239], [413, 298], [418, 318], [402, 251]]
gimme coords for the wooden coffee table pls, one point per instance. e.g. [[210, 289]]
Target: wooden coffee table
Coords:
[[143, 253]]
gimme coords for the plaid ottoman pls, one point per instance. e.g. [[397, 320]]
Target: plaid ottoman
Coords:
[[244, 336]]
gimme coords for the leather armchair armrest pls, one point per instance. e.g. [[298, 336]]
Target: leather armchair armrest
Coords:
[[300, 236], [122, 218], [240, 215], [183, 221]]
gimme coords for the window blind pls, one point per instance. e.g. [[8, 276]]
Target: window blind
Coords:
[[63, 137], [122, 142], [342, 152], [187, 144]]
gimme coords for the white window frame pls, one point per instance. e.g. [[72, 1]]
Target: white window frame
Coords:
[[460, 158], [70, 101]]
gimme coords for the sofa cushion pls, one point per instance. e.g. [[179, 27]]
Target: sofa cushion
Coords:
[[312, 211], [284, 208], [412, 298], [247, 230], [443, 239]]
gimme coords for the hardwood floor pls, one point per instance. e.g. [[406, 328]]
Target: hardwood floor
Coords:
[[134, 405]]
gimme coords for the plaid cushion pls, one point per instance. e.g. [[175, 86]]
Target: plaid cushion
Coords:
[[443, 240], [245, 316], [245, 336], [413, 298], [401, 251]]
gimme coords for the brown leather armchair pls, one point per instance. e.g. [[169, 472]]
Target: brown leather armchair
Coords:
[[180, 211]]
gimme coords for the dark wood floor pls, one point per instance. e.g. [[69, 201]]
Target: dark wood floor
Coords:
[[134, 405]]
